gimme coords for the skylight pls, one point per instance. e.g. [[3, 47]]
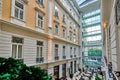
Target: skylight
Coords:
[[83, 3]]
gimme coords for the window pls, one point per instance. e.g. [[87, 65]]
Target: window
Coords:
[[17, 48], [56, 29], [40, 2], [74, 51], [39, 49], [19, 10], [56, 50], [70, 50], [63, 18], [70, 33], [70, 24], [74, 27], [64, 33], [39, 56], [63, 50], [74, 66], [74, 38], [40, 21], [56, 11]]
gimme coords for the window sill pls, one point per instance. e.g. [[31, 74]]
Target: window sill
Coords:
[[18, 19], [42, 6], [39, 28]]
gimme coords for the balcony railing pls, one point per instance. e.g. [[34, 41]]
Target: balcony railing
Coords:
[[40, 60], [56, 57], [71, 56], [64, 57], [115, 76]]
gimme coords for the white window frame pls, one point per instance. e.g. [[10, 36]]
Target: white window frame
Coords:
[[40, 54], [63, 50], [64, 33], [70, 50], [64, 18], [56, 48], [56, 10], [70, 24], [39, 27], [56, 24], [39, 1], [13, 10], [74, 51], [17, 44], [70, 35]]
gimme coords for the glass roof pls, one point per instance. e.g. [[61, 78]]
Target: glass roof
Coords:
[[82, 3]]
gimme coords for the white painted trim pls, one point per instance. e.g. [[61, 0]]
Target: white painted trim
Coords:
[[37, 27], [13, 18], [54, 29]]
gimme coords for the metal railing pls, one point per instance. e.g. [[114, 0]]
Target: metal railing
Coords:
[[114, 76], [56, 57], [40, 60]]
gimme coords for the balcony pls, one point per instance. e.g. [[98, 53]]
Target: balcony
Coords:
[[64, 57], [71, 56], [56, 57], [40, 60]]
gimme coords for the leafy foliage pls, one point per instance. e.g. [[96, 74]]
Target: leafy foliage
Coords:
[[11, 69], [94, 52]]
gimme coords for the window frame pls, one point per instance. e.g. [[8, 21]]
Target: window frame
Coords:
[[39, 55], [63, 33], [70, 35], [37, 19], [56, 49], [39, 2], [17, 44], [64, 18], [56, 24], [13, 10], [56, 13], [63, 50]]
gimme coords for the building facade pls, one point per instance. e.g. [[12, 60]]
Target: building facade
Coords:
[[112, 34], [41, 33], [92, 39]]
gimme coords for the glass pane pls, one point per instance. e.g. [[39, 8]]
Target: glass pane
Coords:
[[16, 12], [39, 23], [19, 51], [40, 51], [37, 52], [14, 51], [21, 14], [17, 40], [19, 4]]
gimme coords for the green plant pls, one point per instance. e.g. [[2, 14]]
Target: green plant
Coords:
[[11, 69], [97, 78]]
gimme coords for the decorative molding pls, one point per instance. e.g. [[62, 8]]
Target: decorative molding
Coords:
[[39, 10], [25, 1]]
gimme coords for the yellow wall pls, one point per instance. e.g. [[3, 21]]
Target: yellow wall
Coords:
[[30, 12], [6, 9]]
